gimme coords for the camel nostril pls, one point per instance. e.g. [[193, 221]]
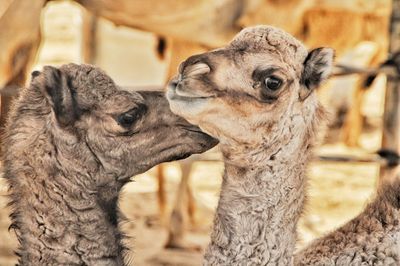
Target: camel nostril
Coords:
[[35, 73], [173, 83], [196, 69]]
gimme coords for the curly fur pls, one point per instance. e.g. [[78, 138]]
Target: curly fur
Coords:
[[372, 238], [266, 143], [266, 137], [67, 157]]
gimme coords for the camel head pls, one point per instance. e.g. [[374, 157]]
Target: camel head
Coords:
[[124, 133], [256, 91]]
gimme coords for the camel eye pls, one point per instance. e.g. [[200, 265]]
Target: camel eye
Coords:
[[273, 83], [126, 119], [129, 118]]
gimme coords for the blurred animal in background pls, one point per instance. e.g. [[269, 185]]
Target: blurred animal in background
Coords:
[[19, 42], [352, 77], [257, 97], [345, 94], [373, 237], [73, 139]]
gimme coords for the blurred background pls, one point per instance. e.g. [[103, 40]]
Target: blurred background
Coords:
[[140, 44]]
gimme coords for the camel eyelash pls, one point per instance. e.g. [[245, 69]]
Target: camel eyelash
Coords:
[[130, 117], [260, 74]]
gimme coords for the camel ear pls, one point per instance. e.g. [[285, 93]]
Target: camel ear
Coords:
[[317, 68], [58, 89]]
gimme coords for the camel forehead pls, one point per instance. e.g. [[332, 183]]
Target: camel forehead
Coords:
[[122, 101], [260, 39], [90, 81]]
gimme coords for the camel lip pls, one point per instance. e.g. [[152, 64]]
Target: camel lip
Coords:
[[189, 94], [192, 128], [197, 130], [174, 94]]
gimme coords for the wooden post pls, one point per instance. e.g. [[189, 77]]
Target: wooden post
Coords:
[[89, 35], [391, 116], [161, 194]]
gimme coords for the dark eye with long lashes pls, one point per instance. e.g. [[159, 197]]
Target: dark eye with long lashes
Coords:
[[129, 118], [267, 84], [273, 83]]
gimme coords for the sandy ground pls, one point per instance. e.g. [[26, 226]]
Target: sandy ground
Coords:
[[337, 191]]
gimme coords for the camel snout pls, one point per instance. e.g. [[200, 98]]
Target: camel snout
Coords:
[[173, 83], [195, 65]]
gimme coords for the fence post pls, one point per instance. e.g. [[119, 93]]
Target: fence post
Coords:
[[391, 115]]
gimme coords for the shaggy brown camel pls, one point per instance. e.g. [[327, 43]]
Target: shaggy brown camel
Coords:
[[72, 141], [257, 96], [371, 238]]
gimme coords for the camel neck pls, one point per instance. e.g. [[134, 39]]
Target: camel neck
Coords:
[[63, 228], [259, 207], [61, 217]]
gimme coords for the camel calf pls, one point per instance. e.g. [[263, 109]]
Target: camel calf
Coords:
[[72, 141]]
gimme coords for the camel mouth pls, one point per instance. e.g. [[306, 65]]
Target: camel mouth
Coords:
[[199, 142], [175, 91], [181, 92], [198, 132]]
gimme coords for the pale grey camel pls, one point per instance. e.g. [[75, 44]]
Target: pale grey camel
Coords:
[[257, 96], [72, 141]]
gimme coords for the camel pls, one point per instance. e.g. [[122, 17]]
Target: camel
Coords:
[[371, 238], [73, 139], [257, 97]]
